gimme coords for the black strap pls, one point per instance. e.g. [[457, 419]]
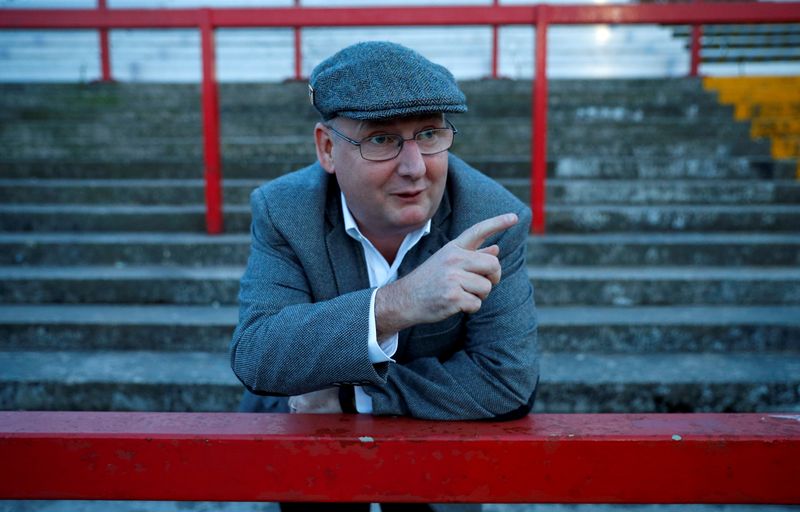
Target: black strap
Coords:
[[347, 399]]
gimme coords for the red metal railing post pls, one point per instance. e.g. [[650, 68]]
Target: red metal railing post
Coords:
[[211, 143], [697, 34], [495, 44], [105, 52], [539, 131], [298, 49]]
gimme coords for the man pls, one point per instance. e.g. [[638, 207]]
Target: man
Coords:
[[389, 277]]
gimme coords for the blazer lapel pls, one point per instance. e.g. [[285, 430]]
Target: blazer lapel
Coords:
[[345, 254], [427, 246]]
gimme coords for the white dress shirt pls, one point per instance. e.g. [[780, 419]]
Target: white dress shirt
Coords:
[[380, 274]]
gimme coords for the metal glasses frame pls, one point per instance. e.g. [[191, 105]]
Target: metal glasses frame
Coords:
[[450, 126]]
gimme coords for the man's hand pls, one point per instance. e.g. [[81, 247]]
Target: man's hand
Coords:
[[324, 401], [458, 277]]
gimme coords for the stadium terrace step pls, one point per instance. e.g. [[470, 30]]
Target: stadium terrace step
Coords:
[[606, 249], [202, 381], [114, 248], [131, 192], [559, 191], [504, 132], [668, 279], [668, 248], [627, 286], [694, 218], [668, 383], [632, 286], [497, 166], [176, 218], [560, 219], [578, 329], [301, 147], [574, 191]]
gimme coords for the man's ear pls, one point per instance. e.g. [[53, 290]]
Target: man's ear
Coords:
[[324, 143]]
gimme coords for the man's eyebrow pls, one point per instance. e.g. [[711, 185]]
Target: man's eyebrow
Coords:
[[379, 124]]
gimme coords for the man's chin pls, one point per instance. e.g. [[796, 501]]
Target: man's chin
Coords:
[[414, 215]]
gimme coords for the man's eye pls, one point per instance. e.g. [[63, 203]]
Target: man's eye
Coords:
[[426, 135], [382, 140]]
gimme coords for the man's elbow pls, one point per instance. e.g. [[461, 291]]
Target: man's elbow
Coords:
[[519, 408]]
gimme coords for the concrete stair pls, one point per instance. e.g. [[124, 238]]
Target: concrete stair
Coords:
[[668, 280]]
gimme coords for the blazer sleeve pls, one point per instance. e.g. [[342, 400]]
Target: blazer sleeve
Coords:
[[286, 343], [496, 371]]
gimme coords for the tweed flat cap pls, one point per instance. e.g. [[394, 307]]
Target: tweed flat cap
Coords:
[[379, 80]]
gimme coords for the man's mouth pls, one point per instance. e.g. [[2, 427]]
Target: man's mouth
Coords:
[[409, 195]]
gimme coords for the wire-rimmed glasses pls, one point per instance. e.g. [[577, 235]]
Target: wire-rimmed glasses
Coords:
[[386, 146]]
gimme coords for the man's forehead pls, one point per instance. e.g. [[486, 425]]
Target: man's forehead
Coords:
[[371, 124]]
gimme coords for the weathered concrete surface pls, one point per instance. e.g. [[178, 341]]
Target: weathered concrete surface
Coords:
[[571, 382], [667, 280]]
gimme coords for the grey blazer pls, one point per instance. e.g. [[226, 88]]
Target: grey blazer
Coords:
[[304, 304]]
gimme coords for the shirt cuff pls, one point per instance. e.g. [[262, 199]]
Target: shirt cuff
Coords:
[[383, 350], [363, 401]]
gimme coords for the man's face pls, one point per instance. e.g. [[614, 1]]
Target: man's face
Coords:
[[393, 197]]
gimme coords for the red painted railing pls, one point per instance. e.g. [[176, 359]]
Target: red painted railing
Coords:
[[541, 16], [543, 458]]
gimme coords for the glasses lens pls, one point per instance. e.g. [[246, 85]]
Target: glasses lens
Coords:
[[387, 146], [434, 141], [381, 147]]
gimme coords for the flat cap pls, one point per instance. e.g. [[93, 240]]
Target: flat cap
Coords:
[[379, 80]]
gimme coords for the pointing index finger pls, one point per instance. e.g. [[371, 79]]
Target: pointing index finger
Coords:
[[473, 237]]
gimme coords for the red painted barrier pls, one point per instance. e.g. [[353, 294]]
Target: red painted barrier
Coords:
[[105, 51], [211, 141], [697, 34], [594, 458], [541, 15]]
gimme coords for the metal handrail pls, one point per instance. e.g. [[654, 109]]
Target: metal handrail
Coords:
[[542, 458]]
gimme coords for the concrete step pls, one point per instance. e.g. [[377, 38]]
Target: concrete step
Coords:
[[186, 118], [133, 191], [560, 218], [116, 218], [78, 97], [672, 248], [618, 286], [600, 167], [64, 249], [302, 147], [688, 218], [606, 249], [634, 286], [559, 191], [575, 191], [584, 329], [564, 127], [498, 166], [201, 381], [574, 383]]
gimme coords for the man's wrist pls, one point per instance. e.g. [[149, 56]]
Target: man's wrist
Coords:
[[389, 311]]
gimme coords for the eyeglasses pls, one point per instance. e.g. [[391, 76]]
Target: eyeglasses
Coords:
[[386, 146]]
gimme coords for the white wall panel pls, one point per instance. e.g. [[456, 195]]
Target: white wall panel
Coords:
[[49, 55], [268, 54], [465, 51]]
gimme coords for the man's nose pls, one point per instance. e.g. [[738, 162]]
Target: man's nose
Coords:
[[410, 161]]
